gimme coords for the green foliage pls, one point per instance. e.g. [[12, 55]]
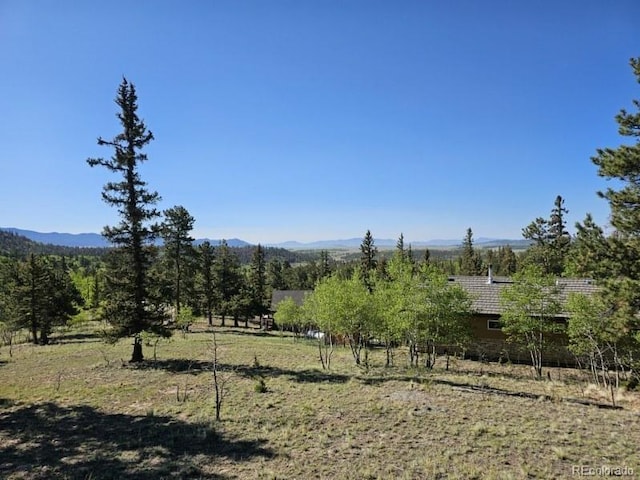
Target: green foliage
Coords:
[[205, 280], [42, 295], [185, 318], [551, 240], [343, 307], [368, 261], [179, 256], [530, 310], [590, 327], [590, 255], [470, 263], [129, 304], [257, 283], [260, 386], [418, 307], [290, 316], [228, 281], [424, 309], [620, 260]]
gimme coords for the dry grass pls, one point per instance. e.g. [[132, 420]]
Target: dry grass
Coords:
[[76, 410]]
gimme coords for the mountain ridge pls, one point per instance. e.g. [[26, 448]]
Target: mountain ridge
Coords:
[[96, 240]]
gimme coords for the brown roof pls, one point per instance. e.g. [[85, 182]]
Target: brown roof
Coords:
[[485, 295], [296, 295]]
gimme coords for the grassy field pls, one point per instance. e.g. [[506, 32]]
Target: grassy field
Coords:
[[76, 409]]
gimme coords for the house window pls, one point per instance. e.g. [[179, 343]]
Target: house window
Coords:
[[494, 325]]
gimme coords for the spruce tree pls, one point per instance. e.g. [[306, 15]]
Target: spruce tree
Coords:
[[228, 282], [129, 305], [622, 289], [325, 265], [208, 293], [44, 296], [400, 252], [257, 282], [368, 260], [470, 262], [178, 251], [551, 240]]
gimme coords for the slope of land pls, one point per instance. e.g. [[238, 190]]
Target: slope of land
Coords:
[[75, 410]]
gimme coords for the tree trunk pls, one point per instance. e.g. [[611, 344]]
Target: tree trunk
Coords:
[[210, 317], [34, 333], [137, 356]]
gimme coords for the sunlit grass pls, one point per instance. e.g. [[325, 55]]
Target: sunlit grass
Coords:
[[474, 421]]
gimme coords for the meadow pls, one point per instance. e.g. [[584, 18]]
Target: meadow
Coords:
[[77, 409]]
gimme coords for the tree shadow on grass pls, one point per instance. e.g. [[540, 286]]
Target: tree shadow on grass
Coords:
[[254, 332], [300, 376], [196, 367], [65, 338], [473, 388], [52, 441], [174, 365]]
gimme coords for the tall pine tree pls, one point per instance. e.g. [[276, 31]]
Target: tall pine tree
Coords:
[[257, 283], [470, 262], [129, 305], [368, 262], [622, 289], [178, 252], [206, 285], [551, 240]]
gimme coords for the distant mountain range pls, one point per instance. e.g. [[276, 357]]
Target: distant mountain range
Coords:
[[97, 240], [350, 243], [94, 240]]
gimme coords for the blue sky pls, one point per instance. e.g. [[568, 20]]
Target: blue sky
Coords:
[[310, 120]]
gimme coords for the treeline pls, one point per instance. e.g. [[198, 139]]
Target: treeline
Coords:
[[18, 246], [36, 294]]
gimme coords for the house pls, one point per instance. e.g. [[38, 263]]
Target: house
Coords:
[[488, 341]]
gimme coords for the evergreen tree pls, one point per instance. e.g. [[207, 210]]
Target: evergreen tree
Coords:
[[590, 255], [31, 295], [507, 261], [275, 276], [178, 252], [44, 296], [551, 240], [325, 264], [470, 262], [400, 252], [368, 260], [228, 282], [427, 256], [622, 290], [257, 283], [129, 306], [208, 293]]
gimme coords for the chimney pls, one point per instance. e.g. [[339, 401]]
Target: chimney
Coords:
[[490, 275]]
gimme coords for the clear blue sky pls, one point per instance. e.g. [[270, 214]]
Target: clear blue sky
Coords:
[[309, 120]]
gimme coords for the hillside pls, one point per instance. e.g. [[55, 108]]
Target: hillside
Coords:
[[91, 240], [74, 409], [14, 245]]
